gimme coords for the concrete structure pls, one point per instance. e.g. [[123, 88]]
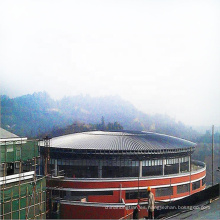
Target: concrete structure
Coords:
[[23, 192], [103, 175]]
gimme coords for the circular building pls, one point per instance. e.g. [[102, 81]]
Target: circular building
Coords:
[[105, 174]]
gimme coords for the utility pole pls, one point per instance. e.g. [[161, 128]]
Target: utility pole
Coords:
[[212, 155]]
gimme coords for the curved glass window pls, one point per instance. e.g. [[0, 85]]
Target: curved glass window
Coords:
[[171, 169], [119, 167], [183, 188], [135, 194], [165, 191], [152, 170], [196, 185], [203, 181], [184, 164], [122, 171]]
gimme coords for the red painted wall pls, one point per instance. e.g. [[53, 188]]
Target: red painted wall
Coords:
[[125, 184], [115, 198], [88, 212]]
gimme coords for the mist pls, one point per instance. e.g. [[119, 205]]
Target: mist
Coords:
[[162, 56]]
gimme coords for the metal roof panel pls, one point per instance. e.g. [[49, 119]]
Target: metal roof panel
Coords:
[[119, 141]]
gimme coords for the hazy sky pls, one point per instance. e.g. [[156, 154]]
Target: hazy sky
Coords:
[[161, 55]]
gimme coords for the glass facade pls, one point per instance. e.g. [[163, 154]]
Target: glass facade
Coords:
[[183, 188], [64, 193], [134, 194], [184, 164], [196, 185], [152, 170], [118, 167], [119, 171], [165, 191], [203, 181]]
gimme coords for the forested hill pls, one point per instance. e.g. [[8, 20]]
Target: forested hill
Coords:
[[82, 127], [32, 115]]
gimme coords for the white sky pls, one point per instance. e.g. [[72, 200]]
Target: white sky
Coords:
[[161, 55]]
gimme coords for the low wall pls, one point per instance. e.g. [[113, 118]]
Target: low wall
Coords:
[[195, 199]]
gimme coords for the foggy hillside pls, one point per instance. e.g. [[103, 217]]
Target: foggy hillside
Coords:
[[31, 115]]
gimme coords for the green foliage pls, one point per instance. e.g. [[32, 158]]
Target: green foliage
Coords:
[[114, 127], [82, 127], [32, 115], [207, 138], [203, 152]]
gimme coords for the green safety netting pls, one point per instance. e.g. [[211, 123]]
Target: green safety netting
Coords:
[[11, 152], [27, 201]]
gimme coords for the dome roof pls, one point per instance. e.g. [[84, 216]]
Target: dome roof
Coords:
[[121, 141]]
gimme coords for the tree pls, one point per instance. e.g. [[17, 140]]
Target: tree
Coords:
[[103, 124]]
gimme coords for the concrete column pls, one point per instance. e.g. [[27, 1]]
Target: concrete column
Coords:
[[55, 168], [140, 168], [120, 195], [164, 160], [189, 164], [100, 169], [179, 164]]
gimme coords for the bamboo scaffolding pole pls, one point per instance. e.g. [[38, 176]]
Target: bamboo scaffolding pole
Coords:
[[26, 202], [40, 214], [39, 204], [41, 199], [20, 170], [9, 200], [22, 197], [34, 183], [19, 202], [11, 204], [23, 183], [212, 155], [5, 152], [3, 191], [172, 190], [22, 209], [190, 167]]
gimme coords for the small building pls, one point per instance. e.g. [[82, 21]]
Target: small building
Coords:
[[23, 191], [103, 175]]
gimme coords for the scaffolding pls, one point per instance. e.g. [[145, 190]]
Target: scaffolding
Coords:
[[23, 191]]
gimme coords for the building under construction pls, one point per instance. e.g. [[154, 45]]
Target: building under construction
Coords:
[[104, 175], [23, 189]]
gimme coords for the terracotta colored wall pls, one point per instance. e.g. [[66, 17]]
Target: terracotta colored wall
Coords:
[[88, 212], [116, 184], [115, 198]]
